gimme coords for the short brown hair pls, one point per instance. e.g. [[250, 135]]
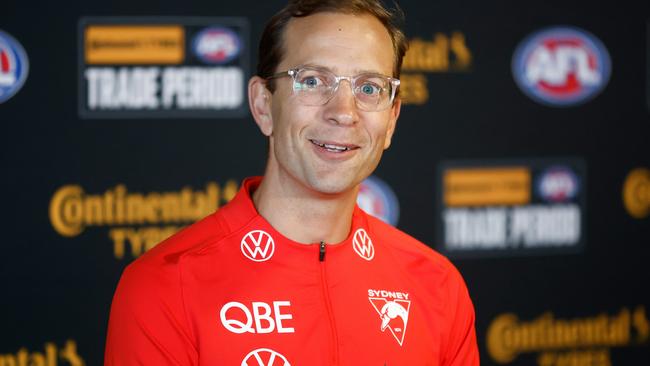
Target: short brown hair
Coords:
[[271, 47]]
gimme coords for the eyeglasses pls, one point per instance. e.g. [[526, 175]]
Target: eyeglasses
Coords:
[[316, 86]]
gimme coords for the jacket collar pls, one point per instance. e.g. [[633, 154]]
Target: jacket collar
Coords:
[[241, 211]]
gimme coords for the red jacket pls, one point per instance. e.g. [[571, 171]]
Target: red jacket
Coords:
[[231, 290]]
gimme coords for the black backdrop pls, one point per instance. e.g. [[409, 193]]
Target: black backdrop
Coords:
[[56, 290]]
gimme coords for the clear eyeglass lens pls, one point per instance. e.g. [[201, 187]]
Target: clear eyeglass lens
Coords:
[[372, 90], [316, 87], [312, 81]]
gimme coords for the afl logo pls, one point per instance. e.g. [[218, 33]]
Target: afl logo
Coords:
[[377, 198], [557, 184], [14, 66], [216, 45], [561, 66]]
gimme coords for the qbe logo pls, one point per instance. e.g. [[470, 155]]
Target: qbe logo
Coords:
[[561, 66], [258, 246], [162, 67], [261, 318], [265, 357], [378, 199], [14, 66]]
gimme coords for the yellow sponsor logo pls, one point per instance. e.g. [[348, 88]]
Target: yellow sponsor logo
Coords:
[[51, 355], [442, 53], [134, 44], [565, 341], [413, 89], [487, 186], [137, 220], [636, 193]]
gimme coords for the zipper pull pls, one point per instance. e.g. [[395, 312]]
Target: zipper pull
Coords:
[[321, 251]]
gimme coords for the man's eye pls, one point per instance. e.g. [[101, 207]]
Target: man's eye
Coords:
[[311, 82], [370, 89]]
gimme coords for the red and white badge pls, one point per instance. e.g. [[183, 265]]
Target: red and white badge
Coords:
[[393, 308], [258, 246], [265, 357], [362, 245]]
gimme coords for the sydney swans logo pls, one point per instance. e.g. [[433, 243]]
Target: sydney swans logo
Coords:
[[394, 313], [362, 244], [258, 246], [264, 357]]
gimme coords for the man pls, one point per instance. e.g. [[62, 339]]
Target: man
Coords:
[[291, 271]]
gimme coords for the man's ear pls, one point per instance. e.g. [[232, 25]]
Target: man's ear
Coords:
[[394, 114], [259, 102]]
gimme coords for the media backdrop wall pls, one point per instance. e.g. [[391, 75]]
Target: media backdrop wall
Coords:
[[522, 153]]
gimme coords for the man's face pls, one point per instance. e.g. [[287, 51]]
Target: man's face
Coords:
[[347, 45]]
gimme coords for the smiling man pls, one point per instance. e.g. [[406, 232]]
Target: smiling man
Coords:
[[291, 271]]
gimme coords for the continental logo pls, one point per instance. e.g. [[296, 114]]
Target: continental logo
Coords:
[[139, 220], [581, 341], [441, 54], [636, 193], [134, 44], [50, 355], [487, 186]]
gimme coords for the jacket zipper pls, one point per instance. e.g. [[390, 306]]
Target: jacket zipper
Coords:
[[328, 303]]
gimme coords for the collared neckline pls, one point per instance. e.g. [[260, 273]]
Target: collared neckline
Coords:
[[241, 212]]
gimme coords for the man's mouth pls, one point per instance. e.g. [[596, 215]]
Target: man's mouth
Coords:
[[336, 148]]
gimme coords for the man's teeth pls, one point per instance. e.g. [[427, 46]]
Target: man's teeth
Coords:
[[335, 147], [332, 148]]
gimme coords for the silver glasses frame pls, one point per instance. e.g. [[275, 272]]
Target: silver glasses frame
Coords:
[[351, 80]]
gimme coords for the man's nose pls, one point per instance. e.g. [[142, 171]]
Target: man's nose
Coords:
[[342, 107]]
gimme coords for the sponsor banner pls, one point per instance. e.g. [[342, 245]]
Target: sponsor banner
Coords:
[[136, 222], [442, 53], [561, 66], [378, 199], [586, 340], [636, 193], [163, 67], [50, 355], [14, 66], [510, 207]]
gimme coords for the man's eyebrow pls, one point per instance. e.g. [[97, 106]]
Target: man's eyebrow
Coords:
[[356, 71], [315, 66]]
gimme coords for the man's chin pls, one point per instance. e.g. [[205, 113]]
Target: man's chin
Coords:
[[333, 186]]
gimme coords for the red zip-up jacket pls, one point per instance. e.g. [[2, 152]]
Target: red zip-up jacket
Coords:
[[231, 290]]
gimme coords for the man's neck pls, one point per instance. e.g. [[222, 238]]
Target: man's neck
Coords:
[[304, 215]]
